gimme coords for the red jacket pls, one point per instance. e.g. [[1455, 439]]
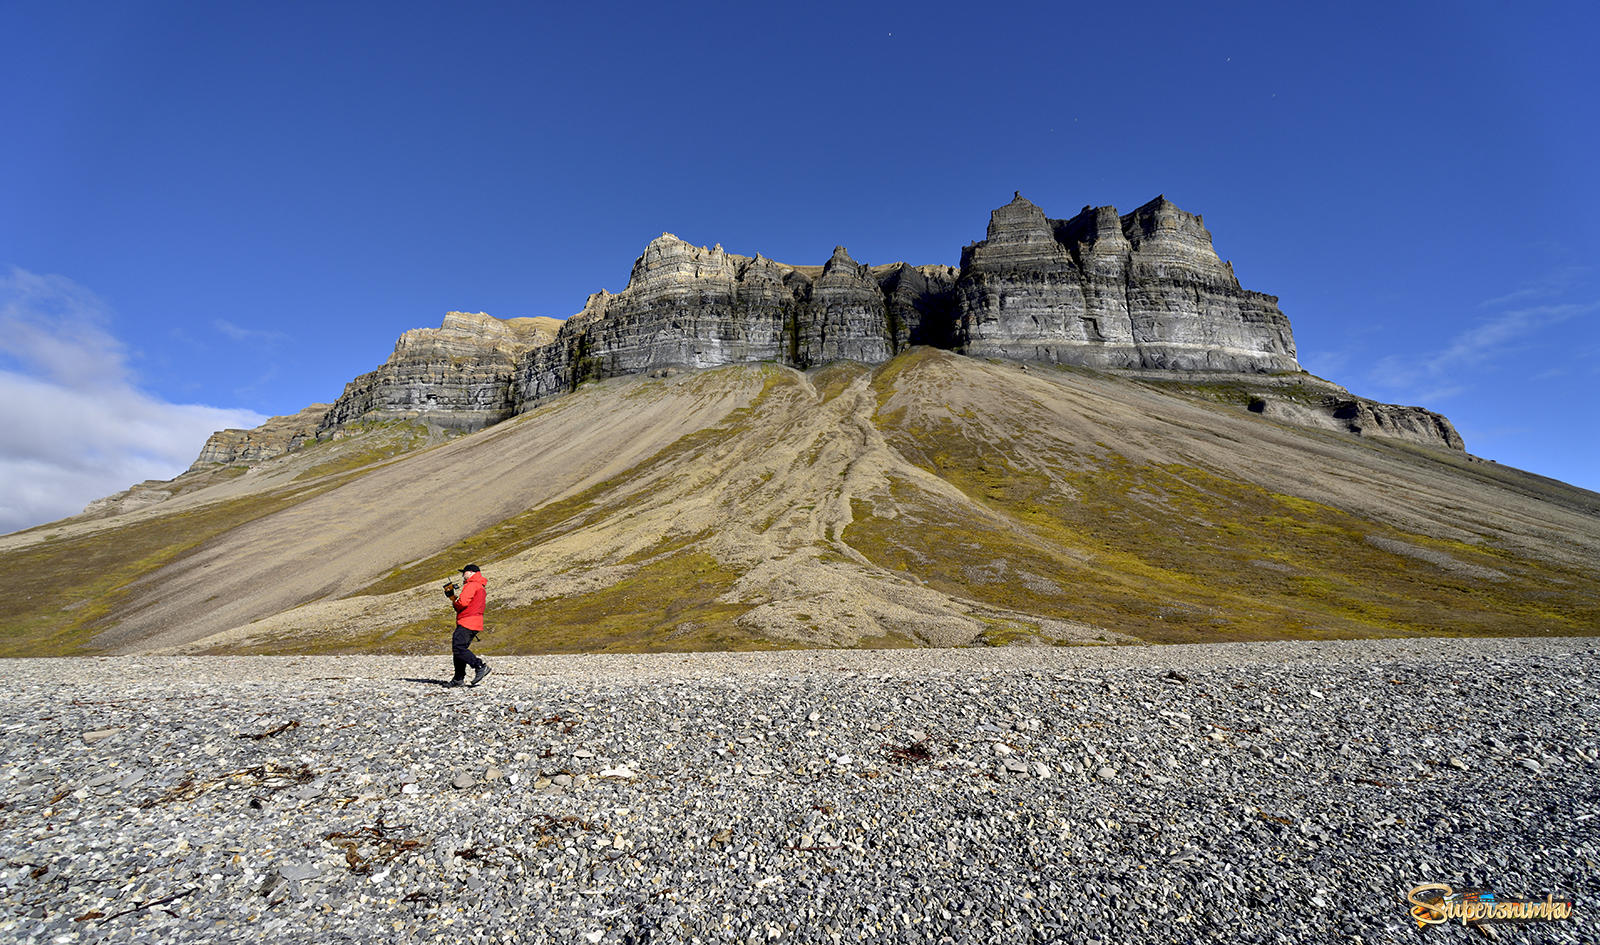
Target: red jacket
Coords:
[[469, 603]]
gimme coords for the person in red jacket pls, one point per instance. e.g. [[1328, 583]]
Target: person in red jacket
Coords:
[[469, 623]]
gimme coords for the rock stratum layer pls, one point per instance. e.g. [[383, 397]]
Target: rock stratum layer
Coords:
[[277, 436], [458, 375], [1144, 291], [691, 307]]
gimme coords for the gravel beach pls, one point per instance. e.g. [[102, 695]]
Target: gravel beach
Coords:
[[1275, 792]]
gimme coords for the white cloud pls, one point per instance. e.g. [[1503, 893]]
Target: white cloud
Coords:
[[1551, 284], [77, 425], [1506, 330], [1433, 377], [242, 334]]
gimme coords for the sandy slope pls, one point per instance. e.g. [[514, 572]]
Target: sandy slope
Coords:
[[934, 500], [770, 494], [344, 539]]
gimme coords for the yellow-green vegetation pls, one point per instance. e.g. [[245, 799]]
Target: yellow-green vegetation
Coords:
[[369, 444], [611, 497], [74, 584], [1009, 633], [670, 603], [833, 379], [88, 576], [885, 377], [1171, 552]]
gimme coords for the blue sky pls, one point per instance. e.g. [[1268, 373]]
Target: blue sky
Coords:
[[230, 210]]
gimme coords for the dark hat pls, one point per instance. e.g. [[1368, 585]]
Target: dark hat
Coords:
[[470, 567]]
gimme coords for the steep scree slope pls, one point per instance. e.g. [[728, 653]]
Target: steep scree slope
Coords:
[[933, 499]]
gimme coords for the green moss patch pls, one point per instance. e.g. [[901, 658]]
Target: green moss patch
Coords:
[[836, 378]]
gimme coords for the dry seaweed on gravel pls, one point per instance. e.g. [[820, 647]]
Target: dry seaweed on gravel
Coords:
[[258, 736], [566, 725], [916, 753], [268, 777], [385, 847]]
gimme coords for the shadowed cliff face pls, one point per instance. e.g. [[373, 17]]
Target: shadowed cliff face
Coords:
[[1142, 291], [691, 307]]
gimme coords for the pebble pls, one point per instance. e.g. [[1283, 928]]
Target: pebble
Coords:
[[818, 797]]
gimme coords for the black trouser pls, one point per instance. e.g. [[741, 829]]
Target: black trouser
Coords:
[[459, 644]]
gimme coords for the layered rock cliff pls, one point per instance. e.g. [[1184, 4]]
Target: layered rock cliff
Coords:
[[687, 306], [277, 436], [1351, 414], [1144, 291], [456, 376]]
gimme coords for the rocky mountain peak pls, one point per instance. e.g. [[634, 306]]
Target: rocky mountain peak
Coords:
[[1144, 291], [669, 263], [1019, 221], [277, 436], [840, 261], [1162, 217], [1168, 241]]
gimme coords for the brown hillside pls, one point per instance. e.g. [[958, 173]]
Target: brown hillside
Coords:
[[933, 500]]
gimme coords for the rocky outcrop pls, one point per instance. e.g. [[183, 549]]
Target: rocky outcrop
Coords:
[[1365, 417], [145, 494], [457, 376], [688, 306], [1140, 291], [277, 436], [1416, 424]]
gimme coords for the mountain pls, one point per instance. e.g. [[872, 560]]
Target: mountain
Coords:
[[1140, 292], [1088, 432]]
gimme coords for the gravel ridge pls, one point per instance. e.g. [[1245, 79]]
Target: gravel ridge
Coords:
[[1246, 792]]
